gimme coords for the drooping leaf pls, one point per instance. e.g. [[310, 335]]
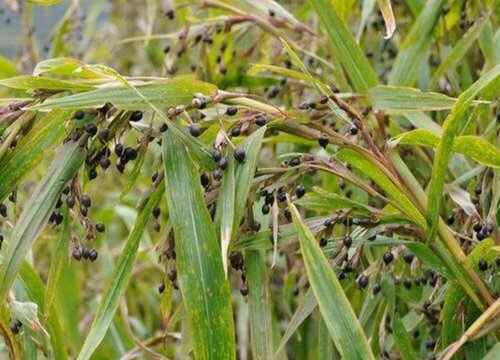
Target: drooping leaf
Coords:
[[344, 46], [445, 148], [37, 212], [388, 15], [29, 82], [120, 278], [403, 340], [46, 134], [335, 308], [199, 265]]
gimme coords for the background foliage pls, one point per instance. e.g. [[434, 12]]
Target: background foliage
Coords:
[[249, 179]]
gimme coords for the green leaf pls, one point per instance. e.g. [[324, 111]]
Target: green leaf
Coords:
[[403, 340], [388, 15], [45, 2], [7, 68], [59, 258], [414, 49], [322, 201], [204, 289], [482, 151], [334, 306], [344, 46], [397, 99], [136, 170], [259, 304], [366, 166], [65, 67], [120, 278], [459, 50], [29, 82], [451, 127], [163, 93], [226, 209], [37, 212], [46, 134]]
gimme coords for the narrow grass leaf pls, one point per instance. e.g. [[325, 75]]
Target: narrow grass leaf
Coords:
[[64, 66], [46, 134], [459, 50], [477, 148], [397, 99], [414, 49], [451, 127], [225, 210], [29, 82], [120, 278], [388, 15], [344, 46], [204, 289], [260, 306], [163, 93], [37, 212], [334, 306], [403, 340]]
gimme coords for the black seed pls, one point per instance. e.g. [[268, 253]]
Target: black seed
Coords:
[[161, 288], [231, 110], [223, 163], [353, 130], [376, 288], [92, 174], [93, 254], [256, 226], [488, 228], [407, 283], [195, 130], [323, 242], [163, 127], [478, 190], [427, 304], [216, 155], [235, 131], [91, 129], [217, 175], [300, 190], [269, 199], [86, 201], [3, 210], [118, 149], [362, 281], [482, 265], [260, 120], [84, 210], [85, 253], [100, 227], [304, 106], [105, 162], [477, 227], [323, 99], [480, 235], [347, 241], [236, 260], [450, 219], [104, 135], [156, 226], [408, 257], [77, 254], [265, 209], [172, 274], [281, 196], [70, 201], [156, 212], [295, 161], [239, 154], [205, 180], [14, 327], [388, 257], [244, 289], [170, 14], [323, 141], [130, 153], [166, 49], [58, 218], [79, 115], [328, 222]]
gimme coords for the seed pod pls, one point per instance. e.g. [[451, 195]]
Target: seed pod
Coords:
[[100, 227], [347, 241], [93, 254], [362, 281], [323, 141], [231, 110], [260, 120], [300, 190], [239, 154], [195, 130], [79, 115], [388, 257]]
